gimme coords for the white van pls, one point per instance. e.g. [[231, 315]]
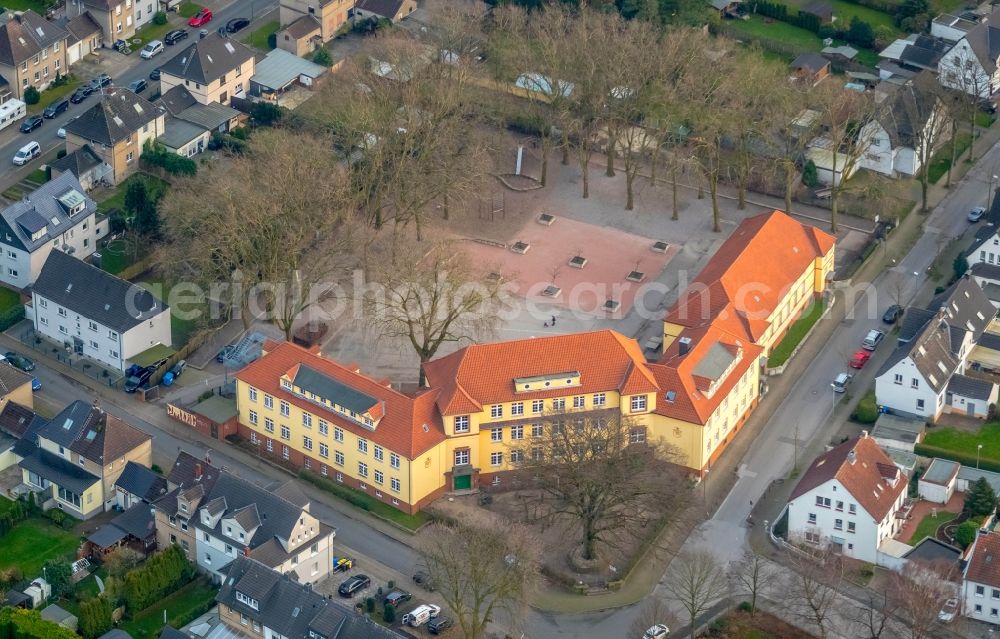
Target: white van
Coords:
[[421, 615], [27, 153], [151, 49]]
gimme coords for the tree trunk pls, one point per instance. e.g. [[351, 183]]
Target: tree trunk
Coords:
[[589, 540], [972, 132], [652, 167], [713, 185], [444, 207], [546, 147], [611, 157], [565, 148], [676, 213], [629, 191], [741, 194], [834, 192], [789, 185], [954, 151], [585, 169], [923, 188]]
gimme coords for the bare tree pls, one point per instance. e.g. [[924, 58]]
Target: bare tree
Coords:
[[601, 474], [695, 580], [921, 120], [919, 590], [873, 616], [962, 72], [817, 574], [754, 574], [654, 611], [439, 299], [480, 567]]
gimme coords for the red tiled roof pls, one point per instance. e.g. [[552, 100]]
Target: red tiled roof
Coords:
[[749, 275], [484, 373], [866, 479], [411, 424], [984, 565]]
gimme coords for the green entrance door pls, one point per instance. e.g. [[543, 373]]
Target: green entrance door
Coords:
[[463, 482]]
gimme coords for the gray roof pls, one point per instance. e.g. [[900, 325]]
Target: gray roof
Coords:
[[177, 133], [330, 389], [984, 39], [896, 428], [19, 421], [107, 536], [186, 471], [42, 209], [385, 8], [208, 59], [293, 609], [91, 432], [302, 27], [136, 521], [55, 469], [118, 114], [95, 294], [908, 109], [941, 471], [142, 482], [176, 99], [169, 632], [986, 271], [26, 35], [970, 387], [247, 517], [716, 361], [811, 62], [279, 68], [970, 474], [209, 116], [80, 27], [932, 550], [990, 341], [56, 613], [118, 633], [925, 51], [78, 162]]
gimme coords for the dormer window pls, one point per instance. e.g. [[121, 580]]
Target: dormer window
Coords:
[[183, 507], [249, 601], [287, 385]]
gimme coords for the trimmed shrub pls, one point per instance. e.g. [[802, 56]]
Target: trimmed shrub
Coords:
[[159, 576], [32, 96], [160, 18], [966, 534], [322, 57], [272, 41], [867, 410], [389, 613]]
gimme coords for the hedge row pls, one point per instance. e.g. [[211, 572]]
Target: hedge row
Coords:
[[966, 459], [162, 574], [18, 623]]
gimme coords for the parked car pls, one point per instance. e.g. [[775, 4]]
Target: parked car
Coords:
[[948, 611], [137, 86], [152, 48], [872, 339], [31, 123], [81, 94], [421, 615], [61, 133], [19, 361], [397, 597], [138, 377], [860, 359], [27, 153], [976, 214], [55, 108], [154, 74], [202, 33], [892, 314], [179, 368], [841, 381], [236, 24], [353, 585], [200, 19], [342, 564], [225, 353], [423, 580], [36, 385], [439, 625], [659, 631], [175, 36], [100, 82]]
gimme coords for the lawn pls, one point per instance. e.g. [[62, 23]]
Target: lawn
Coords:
[[152, 31], [795, 334], [38, 176], [942, 158], [929, 524], [778, 31], [5, 504], [8, 300], [188, 9], [32, 543], [844, 11], [181, 329], [117, 199], [364, 501], [984, 120], [967, 443], [116, 256], [23, 5], [182, 607], [50, 95], [259, 37]]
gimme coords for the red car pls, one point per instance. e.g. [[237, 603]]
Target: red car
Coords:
[[203, 17], [860, 359]]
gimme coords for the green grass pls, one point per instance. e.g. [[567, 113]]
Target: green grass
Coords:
[[966, 442], [117, 199], [188, 9], [115, 256], [984, 120], [8, 300], [23, 5], [259, 37], [784, 349], [181, 329], [32, 543], [182, 607], [844, 11], [38, 176], [5, 504], [779, 31], [364, 501], [151, 31], [54, 93], [928, 525], [942, 158]]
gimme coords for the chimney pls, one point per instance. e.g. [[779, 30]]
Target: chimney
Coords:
[[684, 346], [864, 434], [197, 471], [851, 457]]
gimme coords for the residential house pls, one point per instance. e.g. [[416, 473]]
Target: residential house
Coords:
[[213, 69], [188, 481], [58, 217], [983, 257], [926, 374], [971, 65], [32, 51], [907, 129], [115, 17], [233, 517], [138, 484], [190, 124], [810, 69], [256, 601], [145, 11], [73, 461], [300, 37], [134, 529], [981, 579], [726, 8], [85, 165], [281, 71], [116, 128], [331, 15], [17, 422], [951, 28], [391, 10], [95, 313], [849, 499], [84, 37], [911, 55]]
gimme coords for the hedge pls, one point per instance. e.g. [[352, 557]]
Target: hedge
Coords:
[[157, 155], [963, 458], [162, 574], [18, 623]]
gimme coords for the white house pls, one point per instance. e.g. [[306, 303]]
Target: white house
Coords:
[[971, 65], [59, 215], [848, 499], [95, 313], [909, 124], [981, 579], [951, 28], [144, 11], [925, 376]]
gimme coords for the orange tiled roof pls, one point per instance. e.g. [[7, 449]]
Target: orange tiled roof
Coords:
[[749, 275], [411, 424], [984, 565], [866, 479], [484, 373]]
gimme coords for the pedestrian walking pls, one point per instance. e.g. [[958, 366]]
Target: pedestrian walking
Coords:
[[553, 320], [545, 324]]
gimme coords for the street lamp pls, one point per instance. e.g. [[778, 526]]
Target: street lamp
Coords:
[[979, 449]]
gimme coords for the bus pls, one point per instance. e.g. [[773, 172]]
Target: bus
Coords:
[[11, 111]]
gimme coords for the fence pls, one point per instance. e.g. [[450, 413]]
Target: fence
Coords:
[[192, 345], [59, 352]]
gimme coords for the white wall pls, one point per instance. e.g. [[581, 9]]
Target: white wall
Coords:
[[144, 11], [934, 492], [879, 156], [861, 544], [100, 343], [902, 398], [989, 602], [82, 238], [907, 161], [979, 408], [960, 69], [148, 333], [988, 253]]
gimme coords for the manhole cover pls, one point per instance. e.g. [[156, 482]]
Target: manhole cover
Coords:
[[547, 219], [578, 261], [551, 291], [635, 276], [660, 247], [520, 247]]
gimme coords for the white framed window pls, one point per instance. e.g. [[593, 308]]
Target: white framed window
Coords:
[[638, 403], [379, 477], [537, 430], [323, 470], [496, 411], [362, 445], [324, 450], [637, 435], [517, 408], [285, 409], [559, 403], [537, 406], [251, 391], [394, 484], [338, 434], [378, 452], [62, 312], [307, 420], [599, 399], [496, 459], [270, 445], [253, 437], [897, 379], [517, 431], [394, 460], [268, 401], [92, 325], [284, 452], [269, 424], [496, 434], [362, 469], [812, 518], [461, 423], [578, 401], [516, 456], [253, 417], [338, 458], [462, 457], [307, 443], [286, 433], [324, 427]]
